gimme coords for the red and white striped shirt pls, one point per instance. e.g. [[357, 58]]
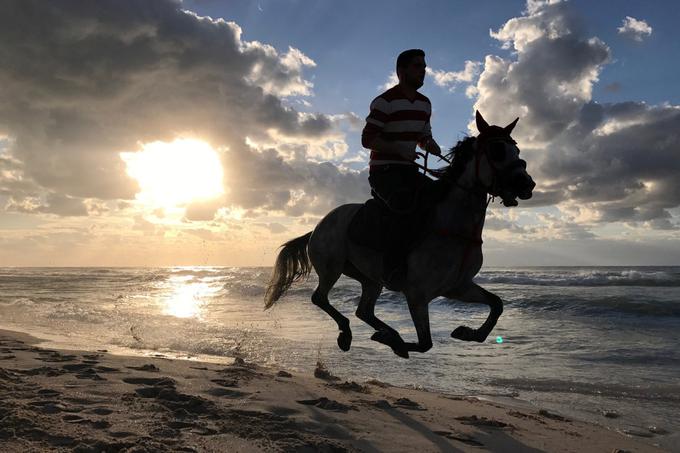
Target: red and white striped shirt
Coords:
[[394, 117]]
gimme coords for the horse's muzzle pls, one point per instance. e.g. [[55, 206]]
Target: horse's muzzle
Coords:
[[523, 185]]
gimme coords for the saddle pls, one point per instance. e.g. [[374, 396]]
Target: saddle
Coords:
[[394, 234]]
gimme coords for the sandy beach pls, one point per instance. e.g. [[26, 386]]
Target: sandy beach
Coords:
[[92, 401]]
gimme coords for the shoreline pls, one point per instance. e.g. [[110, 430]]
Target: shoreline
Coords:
[[65, 400]]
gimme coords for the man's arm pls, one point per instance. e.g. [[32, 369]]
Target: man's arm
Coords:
[[427, 143]]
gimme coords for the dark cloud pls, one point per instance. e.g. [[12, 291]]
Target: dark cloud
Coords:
[[83, 81], [264, 179], [617, 160], [53, 203]]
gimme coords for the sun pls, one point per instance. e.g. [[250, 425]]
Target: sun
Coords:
[[175, 174]]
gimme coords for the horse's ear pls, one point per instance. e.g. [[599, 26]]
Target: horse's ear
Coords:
[[511, 126], [482, 125]]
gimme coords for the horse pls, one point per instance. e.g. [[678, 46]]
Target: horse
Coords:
[[444, 261]]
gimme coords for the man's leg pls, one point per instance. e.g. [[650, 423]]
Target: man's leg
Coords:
[[400, 231]]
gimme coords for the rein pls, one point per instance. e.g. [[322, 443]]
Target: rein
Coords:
[[424, 167]]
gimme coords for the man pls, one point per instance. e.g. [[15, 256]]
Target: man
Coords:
[[398, 121]]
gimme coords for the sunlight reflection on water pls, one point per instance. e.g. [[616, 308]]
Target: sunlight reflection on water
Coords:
[[188, 300]]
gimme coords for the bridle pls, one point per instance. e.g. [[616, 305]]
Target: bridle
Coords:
[[482, 145]]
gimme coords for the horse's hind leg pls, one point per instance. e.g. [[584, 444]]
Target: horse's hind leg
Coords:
[[320, 298], [476, 294]]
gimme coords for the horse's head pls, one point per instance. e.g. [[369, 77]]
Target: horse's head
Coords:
[[497, 166]]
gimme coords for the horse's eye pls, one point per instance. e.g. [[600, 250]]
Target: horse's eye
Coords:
[[497, 151]]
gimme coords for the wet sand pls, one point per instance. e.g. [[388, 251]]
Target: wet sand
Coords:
[[92, 401]]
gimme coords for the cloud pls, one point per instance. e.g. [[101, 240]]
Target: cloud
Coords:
[[450, 79], [279, 75], [392, 80], [53, 203], [445, 79], [635, 29], [264, 179], [84, 81], [618, 161]]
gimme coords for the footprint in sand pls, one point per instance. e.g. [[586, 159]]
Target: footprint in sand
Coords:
[[99, 411], [225, 382], [329, 405], [44, 370], [220, 391], [178, 424], [166, 432], [54, 356], [483, 421], [154, 386], [47, 407], [350, 386], [163, 390], [147, 367], [149, 392], [89, 374], [76, 366], [48, 393], [121, 434], [97, 424], [460, 437], [159, 381], [547, 414], [83, 371], [406, 403]]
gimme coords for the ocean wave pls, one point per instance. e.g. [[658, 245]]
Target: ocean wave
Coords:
[[589, 305], [584, 277], [666, 393]]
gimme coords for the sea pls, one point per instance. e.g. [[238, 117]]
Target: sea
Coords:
[[595, 343]]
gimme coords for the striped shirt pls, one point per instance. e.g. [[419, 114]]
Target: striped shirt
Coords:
[[394, 117]]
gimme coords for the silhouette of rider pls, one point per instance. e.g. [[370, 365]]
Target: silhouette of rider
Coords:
[[399, 119]]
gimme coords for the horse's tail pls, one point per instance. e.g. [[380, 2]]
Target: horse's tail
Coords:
[[292, 264]]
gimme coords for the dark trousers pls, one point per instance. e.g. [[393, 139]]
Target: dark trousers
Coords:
[[400, 190], [398, 187]]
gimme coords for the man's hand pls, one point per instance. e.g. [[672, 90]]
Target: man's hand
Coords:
[[431, 146]]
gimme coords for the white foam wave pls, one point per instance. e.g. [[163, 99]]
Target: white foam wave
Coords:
[[618, 277]]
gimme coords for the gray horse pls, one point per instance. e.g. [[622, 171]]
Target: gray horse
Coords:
[[444, 261]]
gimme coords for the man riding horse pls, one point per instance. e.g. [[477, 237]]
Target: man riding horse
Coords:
[[448, 253], [399, 119]]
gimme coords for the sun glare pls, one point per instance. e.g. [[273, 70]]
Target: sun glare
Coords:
[[177, 173]]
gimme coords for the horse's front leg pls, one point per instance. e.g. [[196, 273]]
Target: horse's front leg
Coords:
[[478, 295], [384, 334]]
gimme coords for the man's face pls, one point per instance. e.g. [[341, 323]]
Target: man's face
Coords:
[[413, 74]]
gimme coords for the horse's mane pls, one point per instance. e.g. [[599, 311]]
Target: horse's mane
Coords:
[[459, 156]]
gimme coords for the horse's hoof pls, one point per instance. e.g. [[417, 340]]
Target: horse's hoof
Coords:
[[467, 334], [392, 340], [383, 336], [345, 340], [400, 352]]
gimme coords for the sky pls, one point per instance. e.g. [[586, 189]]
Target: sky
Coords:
[[205, 132]]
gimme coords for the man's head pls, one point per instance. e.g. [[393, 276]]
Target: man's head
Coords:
[[411, 68]]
